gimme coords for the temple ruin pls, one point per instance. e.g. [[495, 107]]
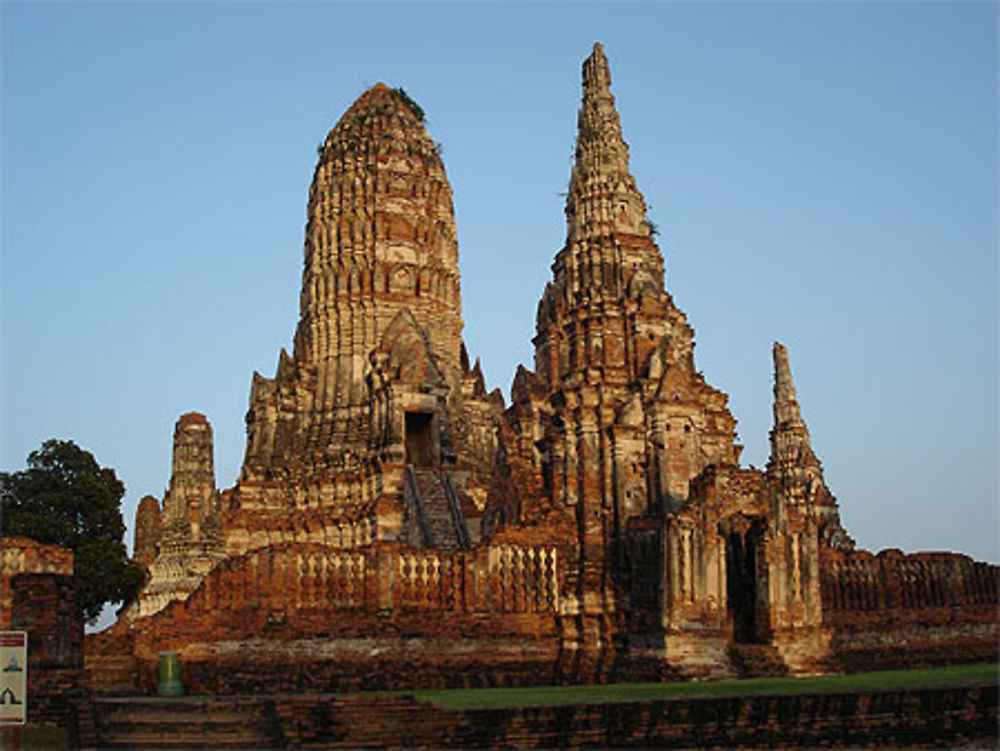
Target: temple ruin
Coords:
[[394, 524]]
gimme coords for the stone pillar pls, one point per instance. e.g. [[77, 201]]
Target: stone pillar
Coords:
[[593, 539]]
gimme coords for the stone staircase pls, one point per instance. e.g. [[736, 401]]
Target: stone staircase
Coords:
[[757, 660], [441, 511], [185, 723]]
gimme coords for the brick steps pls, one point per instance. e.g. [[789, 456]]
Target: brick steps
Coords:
[[433, 497], [183, 724]]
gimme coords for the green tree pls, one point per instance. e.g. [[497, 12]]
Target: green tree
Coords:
[[64, 497]]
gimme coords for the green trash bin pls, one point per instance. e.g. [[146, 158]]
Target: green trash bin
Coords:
[[170, 675]]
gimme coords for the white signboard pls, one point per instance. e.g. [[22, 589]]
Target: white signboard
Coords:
[[13, 677]]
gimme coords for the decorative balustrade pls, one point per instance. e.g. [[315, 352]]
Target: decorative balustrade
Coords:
[[501, 578], [523, 579], [425, 581], [334, 578], [983, 587], [872, 583], [351, 535]]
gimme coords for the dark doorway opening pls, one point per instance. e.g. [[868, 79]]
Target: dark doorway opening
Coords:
[[742, 535], [546, 466], [420, 439]]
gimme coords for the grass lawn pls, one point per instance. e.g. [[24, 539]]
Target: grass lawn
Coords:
[[958, 675]]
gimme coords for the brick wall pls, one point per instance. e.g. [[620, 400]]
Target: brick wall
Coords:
[[930, 718], [39, 597], [895, 610]]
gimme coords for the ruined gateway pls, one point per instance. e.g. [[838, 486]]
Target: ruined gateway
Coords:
[[395, 525]]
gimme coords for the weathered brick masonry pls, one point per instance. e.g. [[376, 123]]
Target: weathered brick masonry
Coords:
[[935, 719], [38, 596], [394, 524], [895, 611], [940, 718]]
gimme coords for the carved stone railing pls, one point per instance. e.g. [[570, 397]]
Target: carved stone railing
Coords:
[[424, 581], [336, 578], [868, 583], [309, 588], [524, 579]]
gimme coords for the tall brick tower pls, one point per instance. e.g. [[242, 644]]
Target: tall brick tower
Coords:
[[378, 380], [606, 319], [188, 543], [621, 419]]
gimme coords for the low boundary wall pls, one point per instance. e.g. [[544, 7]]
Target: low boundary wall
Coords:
[[927, 718]]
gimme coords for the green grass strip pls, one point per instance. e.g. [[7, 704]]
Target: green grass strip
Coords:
[[945, 677]]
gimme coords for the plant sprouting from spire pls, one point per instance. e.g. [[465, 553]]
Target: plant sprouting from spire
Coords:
[[406, 99]]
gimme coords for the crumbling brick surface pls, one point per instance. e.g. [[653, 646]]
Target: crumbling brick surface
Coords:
[[897, 610], [950, 718], [942, 718], [39, 597], [21, 555], [598, 527]]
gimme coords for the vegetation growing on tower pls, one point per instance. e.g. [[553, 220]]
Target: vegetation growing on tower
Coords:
[[406, 99]]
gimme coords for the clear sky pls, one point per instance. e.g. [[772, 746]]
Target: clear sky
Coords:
[[823, 174]]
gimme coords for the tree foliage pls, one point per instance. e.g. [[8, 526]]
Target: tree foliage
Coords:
[[64, 497]]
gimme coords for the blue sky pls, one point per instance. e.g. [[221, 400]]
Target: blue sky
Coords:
[[823, 174]]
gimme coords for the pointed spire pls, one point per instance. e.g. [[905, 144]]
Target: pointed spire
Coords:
[[789, 437], [602, 196], [786, 405], [599, 137], [793, 462]]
